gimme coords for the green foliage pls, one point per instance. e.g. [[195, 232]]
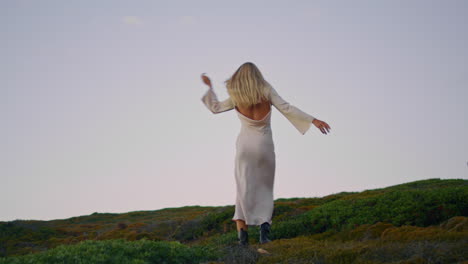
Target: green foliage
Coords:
[[410, 207], [221, 240], [118, 251], [9, 229], [45, 233], [293, 227], [378, 244], [418, 203], [281, 209], [211, 234], [213, 219], [211, 222]]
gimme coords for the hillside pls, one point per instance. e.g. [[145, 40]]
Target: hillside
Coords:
[[418, 221]]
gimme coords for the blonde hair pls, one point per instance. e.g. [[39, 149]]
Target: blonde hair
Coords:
[[247, 87]]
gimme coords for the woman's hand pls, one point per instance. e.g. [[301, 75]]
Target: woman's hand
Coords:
[[324, 127], [206, 80]]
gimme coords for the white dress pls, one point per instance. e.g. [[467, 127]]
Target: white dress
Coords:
[[254, 168]]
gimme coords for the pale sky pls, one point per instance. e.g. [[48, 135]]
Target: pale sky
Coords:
[[101, 111]]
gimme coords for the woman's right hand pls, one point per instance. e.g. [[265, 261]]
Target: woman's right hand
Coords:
[[324, 127], [206, 80]]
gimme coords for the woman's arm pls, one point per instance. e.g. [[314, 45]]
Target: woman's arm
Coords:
[[298, 118], [214, 105], [301, 120], [211, 100]]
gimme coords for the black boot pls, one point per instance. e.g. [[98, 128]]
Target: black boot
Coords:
[[264, 233], [243, 237]]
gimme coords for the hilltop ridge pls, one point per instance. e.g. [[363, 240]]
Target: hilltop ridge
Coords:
[[438, 205]]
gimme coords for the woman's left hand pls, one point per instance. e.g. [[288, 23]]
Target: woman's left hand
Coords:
[[206, 80], [323, 126]]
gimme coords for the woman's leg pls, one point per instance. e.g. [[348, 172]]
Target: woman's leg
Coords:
[[241, 224], [264, 233]]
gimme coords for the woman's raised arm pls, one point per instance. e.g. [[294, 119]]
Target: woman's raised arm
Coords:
[[211, 100], [214, 105]]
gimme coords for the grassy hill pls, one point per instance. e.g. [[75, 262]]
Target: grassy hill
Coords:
[[418, 222]]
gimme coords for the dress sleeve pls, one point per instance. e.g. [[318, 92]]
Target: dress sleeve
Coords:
[[211, 102], [301, 120]]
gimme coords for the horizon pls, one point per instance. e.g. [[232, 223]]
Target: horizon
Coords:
[[160, 209]]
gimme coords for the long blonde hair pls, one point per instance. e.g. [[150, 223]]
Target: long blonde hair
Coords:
[[247, 86]]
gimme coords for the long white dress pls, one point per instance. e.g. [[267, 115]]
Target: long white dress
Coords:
[[254, 168]]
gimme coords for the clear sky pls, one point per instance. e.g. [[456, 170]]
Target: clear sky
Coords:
[[101, 111]]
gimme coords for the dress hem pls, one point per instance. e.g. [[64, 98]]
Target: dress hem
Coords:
[[269, 222]]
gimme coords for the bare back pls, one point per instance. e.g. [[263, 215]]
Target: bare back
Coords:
[[256, 112]]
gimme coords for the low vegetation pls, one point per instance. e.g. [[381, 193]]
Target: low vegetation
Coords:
[[418, 222]]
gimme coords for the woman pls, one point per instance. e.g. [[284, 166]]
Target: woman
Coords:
[[252, 97]]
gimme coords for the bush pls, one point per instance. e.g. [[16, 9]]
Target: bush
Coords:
[[211, 222], [419, 207], [118, 251]]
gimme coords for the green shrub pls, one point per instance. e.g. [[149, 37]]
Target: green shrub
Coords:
[[417, 206], [118, 251], [211, 222]]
